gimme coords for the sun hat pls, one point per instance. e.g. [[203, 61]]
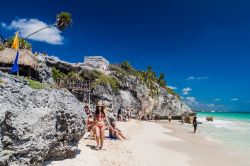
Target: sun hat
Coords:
[[100, 104]]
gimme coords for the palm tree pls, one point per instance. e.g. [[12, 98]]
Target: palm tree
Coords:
[[126, 66], [161, 80], [63, 20]]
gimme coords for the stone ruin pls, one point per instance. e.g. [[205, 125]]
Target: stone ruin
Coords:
[[96, 62]]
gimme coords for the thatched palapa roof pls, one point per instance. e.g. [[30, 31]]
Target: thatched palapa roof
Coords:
[[8, 55]]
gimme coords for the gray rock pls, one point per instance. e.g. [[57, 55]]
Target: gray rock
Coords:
[[37, 125], [135, 96]]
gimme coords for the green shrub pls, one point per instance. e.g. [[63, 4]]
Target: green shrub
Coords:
[[1, 81], [161, 80], [126, 66], [35, 84], [118, 70], [56, 74], [72, 74], [105, 79], [91, 75], [1, 47], [170, 91], [23, 44]]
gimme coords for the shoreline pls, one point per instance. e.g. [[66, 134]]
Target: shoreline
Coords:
[[150, 144], [198, 147]]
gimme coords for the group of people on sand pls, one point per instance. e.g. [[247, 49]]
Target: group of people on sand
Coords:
[[98, 123], [121, 115], [194, 122]]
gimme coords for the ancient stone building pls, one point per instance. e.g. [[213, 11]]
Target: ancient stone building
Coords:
[[96, 62]]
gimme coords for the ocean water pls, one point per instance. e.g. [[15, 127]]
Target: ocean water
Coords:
[[232, 130]]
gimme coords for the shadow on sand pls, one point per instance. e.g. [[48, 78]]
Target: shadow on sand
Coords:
[[92, 147]]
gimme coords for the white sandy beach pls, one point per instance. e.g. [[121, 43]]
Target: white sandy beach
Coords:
[[151, 144]]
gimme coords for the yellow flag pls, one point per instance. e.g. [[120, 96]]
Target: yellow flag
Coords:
[[15, 44]]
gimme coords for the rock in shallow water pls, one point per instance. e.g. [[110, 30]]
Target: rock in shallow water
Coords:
[[37, 125]]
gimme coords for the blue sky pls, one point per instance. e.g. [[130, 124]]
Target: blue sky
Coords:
[[203, 47]]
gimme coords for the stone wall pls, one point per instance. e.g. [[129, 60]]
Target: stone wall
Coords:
[[97, 62]]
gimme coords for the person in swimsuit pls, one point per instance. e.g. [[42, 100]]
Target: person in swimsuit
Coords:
[[129, 114], [182, 120], [169, 118], [195, 124], [87, 111], [139, 115], [90, 127], [115, 133], [88, 119], [99, 121]]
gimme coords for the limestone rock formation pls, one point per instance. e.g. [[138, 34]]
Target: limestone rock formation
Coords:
[[135, 96], [132, 93], [37, 125]]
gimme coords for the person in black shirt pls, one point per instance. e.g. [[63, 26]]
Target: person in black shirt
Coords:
[[120, 114], [195, 124]]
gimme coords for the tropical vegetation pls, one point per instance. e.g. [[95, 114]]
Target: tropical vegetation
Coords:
[[63, 20], [148, 78], [23, 44], [35, 84]]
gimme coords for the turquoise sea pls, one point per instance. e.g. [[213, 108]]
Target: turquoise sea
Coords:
[[229, 129]]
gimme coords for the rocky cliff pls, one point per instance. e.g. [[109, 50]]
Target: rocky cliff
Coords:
[[134, 95], [130, 93], [36, 125]]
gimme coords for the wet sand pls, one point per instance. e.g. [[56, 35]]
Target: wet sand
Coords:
[[201, 150]]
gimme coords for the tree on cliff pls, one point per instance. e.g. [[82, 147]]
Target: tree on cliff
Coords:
[[161, 80], [126, 66], [63, 20]]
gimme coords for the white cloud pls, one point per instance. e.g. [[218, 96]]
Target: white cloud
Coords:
[[191, 99], [234, 99], [217, 99], [172, 87], [195, 105], [186, 90], [211, 105], [196, 78], [27, 26], [190, 78], [4, 25]]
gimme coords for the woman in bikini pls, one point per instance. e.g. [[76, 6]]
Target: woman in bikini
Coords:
[[99, 121], [115, 133]]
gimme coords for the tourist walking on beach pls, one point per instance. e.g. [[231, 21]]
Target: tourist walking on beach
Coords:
[[169, 118], [120, 114], [99, 121], [195, 124], [139, 115], [88, 120], [129, 114], [86, 110], [156, 117], [182, 119]]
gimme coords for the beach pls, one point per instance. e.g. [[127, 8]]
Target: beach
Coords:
[[151, 143]]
